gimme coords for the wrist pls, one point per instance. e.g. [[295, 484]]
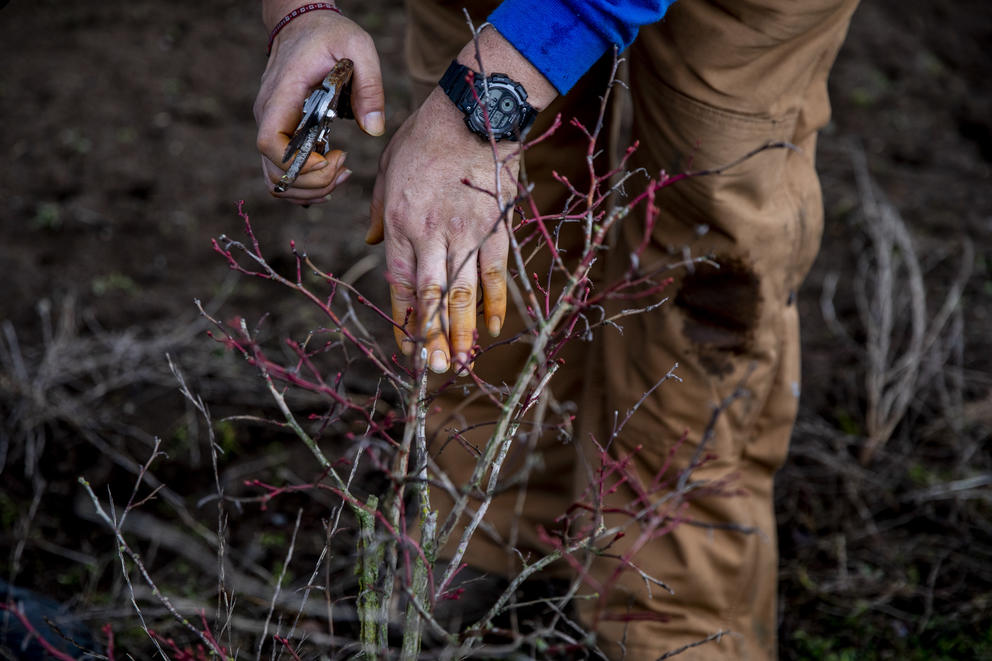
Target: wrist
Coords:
[[309, 8], [499, 56], [495, 89], [274, 11], [439, 118]]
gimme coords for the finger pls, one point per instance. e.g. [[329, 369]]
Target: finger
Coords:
[[404, 303], [318, 172], [334, 178], [368, 100], [492, 271], [401, 274], [277, 119], [376, 220], [463, 280], [316, 195], [432, 306]]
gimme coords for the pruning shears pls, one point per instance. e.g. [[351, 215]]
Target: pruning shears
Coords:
[[331, 100]]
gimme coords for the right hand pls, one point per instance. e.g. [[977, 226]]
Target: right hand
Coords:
[[302, 54]]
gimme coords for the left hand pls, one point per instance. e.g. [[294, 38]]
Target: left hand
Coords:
[[442, 236]]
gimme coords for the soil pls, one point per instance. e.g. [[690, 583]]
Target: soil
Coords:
[[128, 139]]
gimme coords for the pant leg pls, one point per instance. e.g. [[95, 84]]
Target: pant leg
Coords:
[[711, 82]]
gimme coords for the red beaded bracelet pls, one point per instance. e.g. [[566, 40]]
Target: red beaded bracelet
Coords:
[[299, 11]]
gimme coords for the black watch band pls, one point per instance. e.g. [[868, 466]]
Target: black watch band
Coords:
[[455, 83], [509, 115]]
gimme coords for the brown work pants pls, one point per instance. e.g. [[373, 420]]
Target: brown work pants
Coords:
[[712, 81]]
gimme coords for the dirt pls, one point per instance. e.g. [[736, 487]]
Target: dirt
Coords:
[[128, 139], [721, 309]]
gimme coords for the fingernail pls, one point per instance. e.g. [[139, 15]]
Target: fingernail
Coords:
[[319, 165], [461, 360], [343, 177], [494, 325], [374, 123], [439, 362]]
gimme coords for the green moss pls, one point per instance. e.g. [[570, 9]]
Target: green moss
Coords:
[[847, 423], [8, 511], [113, 282], [870, 638], [226, 437], [272, 540], [47, 216]]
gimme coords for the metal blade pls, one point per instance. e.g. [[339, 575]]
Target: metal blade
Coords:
[[306, 148]]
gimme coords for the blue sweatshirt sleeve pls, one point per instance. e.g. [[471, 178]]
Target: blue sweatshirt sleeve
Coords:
[[564, 38]]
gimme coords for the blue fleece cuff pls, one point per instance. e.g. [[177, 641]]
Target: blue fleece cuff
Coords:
[[555, 40]]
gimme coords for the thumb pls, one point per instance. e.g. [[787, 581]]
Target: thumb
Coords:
[[376, 232], [368, 100]]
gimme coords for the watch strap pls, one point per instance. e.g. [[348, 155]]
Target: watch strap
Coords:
[[455, 83]]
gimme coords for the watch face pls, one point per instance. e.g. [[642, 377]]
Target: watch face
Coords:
[[503, 107]]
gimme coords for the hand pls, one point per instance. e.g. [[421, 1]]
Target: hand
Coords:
[[302, 54], [441, 235]]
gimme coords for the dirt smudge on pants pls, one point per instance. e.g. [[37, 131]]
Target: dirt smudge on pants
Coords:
[[721, 308]]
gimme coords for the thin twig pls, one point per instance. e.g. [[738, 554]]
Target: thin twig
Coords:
[[279, 580]]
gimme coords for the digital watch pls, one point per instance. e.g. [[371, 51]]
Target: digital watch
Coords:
[[505, 102]]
